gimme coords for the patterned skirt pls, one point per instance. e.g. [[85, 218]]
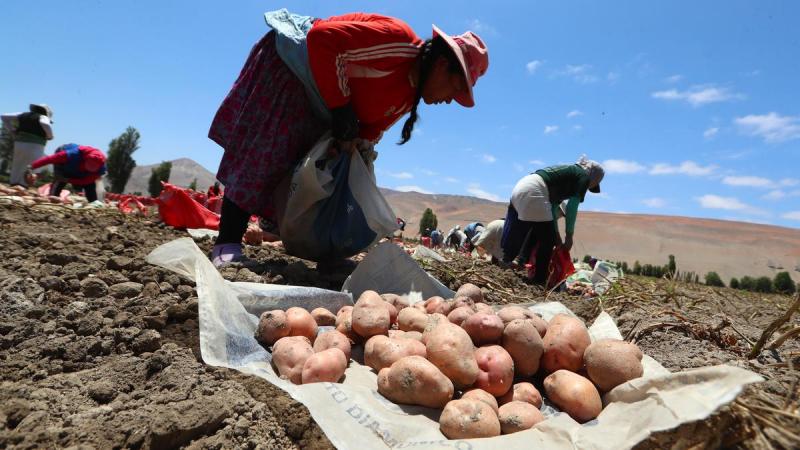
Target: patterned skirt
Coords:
[[266, 125]]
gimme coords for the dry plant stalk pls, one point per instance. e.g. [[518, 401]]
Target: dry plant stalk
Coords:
[[773, 327]]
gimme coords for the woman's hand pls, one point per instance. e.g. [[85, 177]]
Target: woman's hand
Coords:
[[568, 242]]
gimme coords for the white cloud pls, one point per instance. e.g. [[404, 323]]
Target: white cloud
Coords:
[[622, 166], [710, 132], [428, 172], [402, 175], [654, 202], [482, 28], [579, 73], [533, 66], [789, 182], [519, 167], [774, 195], [711, 201], [548, 129], [685, 168], [673, 78], [699, 95], [748, 180], [475, 189], [574, 113], [411, 188], [792, 215], [612, 77], [577, 127], [536, 162], [451, 179], [772, 127], [487, 158]]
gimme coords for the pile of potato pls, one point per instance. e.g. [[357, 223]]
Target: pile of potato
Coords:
[[458, 354]]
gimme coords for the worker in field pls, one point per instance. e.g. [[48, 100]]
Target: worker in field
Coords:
[[471, 230], [534, 209], [354, 75], [79, 165], [31, 130]]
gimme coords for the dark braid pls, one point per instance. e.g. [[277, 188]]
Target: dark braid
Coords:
[[431, 50]]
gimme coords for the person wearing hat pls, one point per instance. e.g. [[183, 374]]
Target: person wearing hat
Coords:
[[534, 209], [354, 75], [31, 130], [79, 165]]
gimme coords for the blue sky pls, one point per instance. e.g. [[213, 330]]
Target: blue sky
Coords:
[[694, 107]]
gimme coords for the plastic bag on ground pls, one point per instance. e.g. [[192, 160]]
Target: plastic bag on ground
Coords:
[[334, 208], [354, 416], [177, 209]]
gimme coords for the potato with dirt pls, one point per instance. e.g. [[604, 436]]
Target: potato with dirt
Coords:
[[333, 339], [522, 392], [518, 416], [323, 317], [344, 323], [370, 315], [412, 319], [522, 341], [574, 395], [480, 394], [463, 301], [483, 307], [381, 351], [510, 313], [470, 290], [433, 321], [301, 323], [611, 362], [437, 304], [496, 370], [414, 380], [468, 419], [272, 325], [483, 328], [564, 343], [328, 365], [460, 314], [450, 349], [289, 355]]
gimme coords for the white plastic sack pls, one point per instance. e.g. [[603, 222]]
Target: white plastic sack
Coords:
[[354, 416], [334, 208]]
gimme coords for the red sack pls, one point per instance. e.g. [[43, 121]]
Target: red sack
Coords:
[[560, 266], [215, 204], [426, 241], [177, 209]]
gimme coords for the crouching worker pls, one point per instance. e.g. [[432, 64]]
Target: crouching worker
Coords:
[[79, 165], [488, 240], [532, 215]]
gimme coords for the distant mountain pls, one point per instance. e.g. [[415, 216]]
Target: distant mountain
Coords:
[[184, 170], [732, 249]]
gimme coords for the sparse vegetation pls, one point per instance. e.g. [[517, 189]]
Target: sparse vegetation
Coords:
[[120, 162], [159, 174], [427, 222]]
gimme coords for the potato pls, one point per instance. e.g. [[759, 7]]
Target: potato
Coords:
[[414, 380], [510, 313], [460, 314], [471, 291], [433, 321], [272, 325], [573, 394], [480, 394], [328, 365], [412, 319], [344, 323], [468, 419], [381, 351], [415, 335], [396, 333], [522, 392], [564, 343], [289, 354], [450, 349], [483, 307], [610, 362], [522, 341], [420, 306], [392, 313], [483, 328], [437, 304], [301, 323], [496, 370], [333, 339], [463, 300], [518, 416], [344, 309], [323, 317], [370, 315]]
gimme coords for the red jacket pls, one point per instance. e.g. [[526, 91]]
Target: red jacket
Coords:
[[365, 60], [91, 164]]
